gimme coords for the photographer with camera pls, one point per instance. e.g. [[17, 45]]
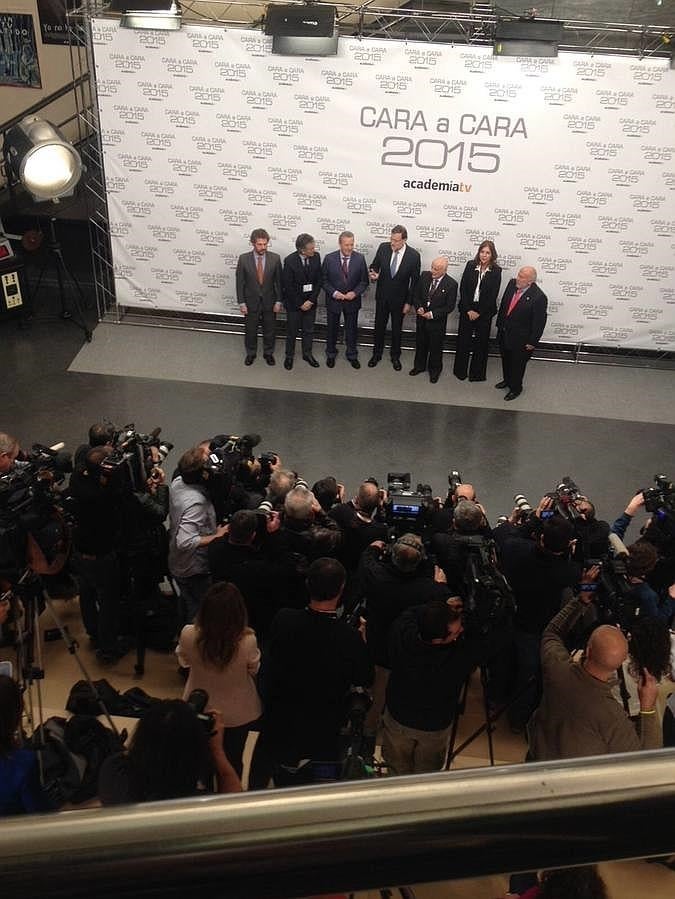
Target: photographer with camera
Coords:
[[578, 715], [97, 510], [9, 451], [541, 574], [248, 555], [431, 657], [144, 539], [102, 433], [361, 521], [641, 563], [306, 529], [310, 662], [391, 579], [450, 550], [193, 527], [174, 753]]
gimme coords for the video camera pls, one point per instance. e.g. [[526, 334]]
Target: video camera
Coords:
[[487, 596], [198, 700], [660, 501], [405, 509], [614, 597], [33, 524], [132, 461]]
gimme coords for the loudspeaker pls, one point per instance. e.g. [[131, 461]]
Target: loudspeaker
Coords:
[[529, 30], [300, 21]]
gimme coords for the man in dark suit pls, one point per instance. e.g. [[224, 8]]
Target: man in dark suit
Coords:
[[435, 299], [345, 280], [520, 324], [259, 294], [396, 268], [301, 285]]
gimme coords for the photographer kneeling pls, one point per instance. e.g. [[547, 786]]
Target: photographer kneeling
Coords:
[[173, 753]]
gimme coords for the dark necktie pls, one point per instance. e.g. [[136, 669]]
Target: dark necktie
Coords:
[[434, 285], [345, 266], [306, 267]]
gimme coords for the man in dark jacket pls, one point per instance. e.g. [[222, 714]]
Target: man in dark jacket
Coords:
[[311, 661], [542, 577], [430, 661], [520, 324]]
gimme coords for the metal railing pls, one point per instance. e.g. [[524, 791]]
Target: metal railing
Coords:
[[352, 835]]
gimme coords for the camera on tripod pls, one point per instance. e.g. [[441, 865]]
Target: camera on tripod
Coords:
[[34, 525], [488, 599], [132, 460], [405, 508]]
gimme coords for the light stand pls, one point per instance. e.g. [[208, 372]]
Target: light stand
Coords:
[[64, 274]]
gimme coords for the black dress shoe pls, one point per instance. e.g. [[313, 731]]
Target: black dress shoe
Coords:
[[355, 363], [269, 359], [396, 364], [415, 371], [288, 363], [249, 360], [500, 385], [372, 362], [511, 395], [433, 379], [459, 377], [330, 363], [477, 379], [310, 360]]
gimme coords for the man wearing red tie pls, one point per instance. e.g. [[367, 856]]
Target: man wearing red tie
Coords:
[[435, 298], [520, 324]]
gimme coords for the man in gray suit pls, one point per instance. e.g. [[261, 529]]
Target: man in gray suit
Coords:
[[259, 294]]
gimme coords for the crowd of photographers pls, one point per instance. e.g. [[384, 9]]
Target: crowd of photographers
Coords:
[[316, 624]]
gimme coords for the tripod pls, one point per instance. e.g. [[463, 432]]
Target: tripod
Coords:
[[63, 274], [491, 717], [28, 599]]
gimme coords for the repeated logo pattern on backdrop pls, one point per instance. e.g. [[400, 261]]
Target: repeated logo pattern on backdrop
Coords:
[[568, 164]]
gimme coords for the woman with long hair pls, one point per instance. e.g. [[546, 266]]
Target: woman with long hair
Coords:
[[171, 755], [477, 306], [221, 651]]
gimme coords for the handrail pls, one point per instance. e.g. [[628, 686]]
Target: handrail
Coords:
[[352, 835], [45, 101]]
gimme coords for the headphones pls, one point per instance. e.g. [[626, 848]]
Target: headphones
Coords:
[[413, 544]]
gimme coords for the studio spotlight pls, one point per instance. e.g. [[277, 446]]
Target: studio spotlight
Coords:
[[39, 156], [156, 15]]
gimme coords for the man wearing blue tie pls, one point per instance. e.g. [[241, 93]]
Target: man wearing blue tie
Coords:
[[396, 268], [345, 280]]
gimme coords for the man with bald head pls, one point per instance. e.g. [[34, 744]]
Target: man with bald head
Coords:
[[435, 298], [578, 715], [520, 324]]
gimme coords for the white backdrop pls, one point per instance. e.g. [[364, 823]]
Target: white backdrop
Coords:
[[568, 164]]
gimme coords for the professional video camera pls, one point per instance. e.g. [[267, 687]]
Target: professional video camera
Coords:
[[614, 598], [358, 763], [660, 501], [487, 596], [132, 461], [198, 700], [405, 509], [34, 528], [564, 498]]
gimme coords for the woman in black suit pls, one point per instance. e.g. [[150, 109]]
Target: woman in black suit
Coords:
[[478, 291]]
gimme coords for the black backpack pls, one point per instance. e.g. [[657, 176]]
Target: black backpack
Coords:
[[71, 753]]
